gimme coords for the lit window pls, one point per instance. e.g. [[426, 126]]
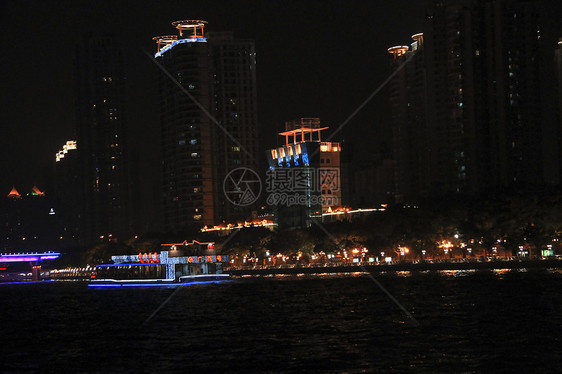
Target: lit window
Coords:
[[193, 141], [194, 154], [197, 217]]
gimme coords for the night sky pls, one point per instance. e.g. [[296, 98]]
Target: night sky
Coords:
[[315, 59]]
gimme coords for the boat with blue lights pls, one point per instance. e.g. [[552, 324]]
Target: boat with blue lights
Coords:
[[167, 268]]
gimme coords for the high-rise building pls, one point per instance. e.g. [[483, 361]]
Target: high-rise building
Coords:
[[102, 139], [68, 197], [208, 116], [304, 178], [558, 73], [466, 102]]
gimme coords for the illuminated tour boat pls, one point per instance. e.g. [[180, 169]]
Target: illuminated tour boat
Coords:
[[180, 265]]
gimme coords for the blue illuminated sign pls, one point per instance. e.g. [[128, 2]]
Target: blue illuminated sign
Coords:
[[132, 264], [28, 257], [157, 284], [179, 41]]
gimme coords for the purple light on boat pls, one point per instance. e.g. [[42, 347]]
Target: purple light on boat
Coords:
[[28, 257], [49, 257], [18, 258], [159, 284]]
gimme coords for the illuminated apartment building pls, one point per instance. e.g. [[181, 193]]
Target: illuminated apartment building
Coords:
[[466, 102], [102, 143], [208, 126], [304, 175]]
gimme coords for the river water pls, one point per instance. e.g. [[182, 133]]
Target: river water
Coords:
[[460, 321]]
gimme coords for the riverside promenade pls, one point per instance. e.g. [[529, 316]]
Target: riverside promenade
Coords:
[[547, 263]]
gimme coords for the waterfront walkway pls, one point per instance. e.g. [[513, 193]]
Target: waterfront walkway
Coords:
[[400, 266]]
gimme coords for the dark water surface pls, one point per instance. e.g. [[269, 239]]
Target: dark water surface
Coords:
[[479, 321]]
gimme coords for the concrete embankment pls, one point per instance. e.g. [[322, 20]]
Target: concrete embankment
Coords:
[[403, 266]]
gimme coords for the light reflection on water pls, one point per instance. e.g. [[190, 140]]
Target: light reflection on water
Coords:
[[456, 273], [330, 323]]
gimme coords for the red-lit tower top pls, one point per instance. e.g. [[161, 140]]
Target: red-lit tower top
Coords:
[[305, 128], [398, 50], [189, 29], [418, 38], [193, 28], [162, 41]]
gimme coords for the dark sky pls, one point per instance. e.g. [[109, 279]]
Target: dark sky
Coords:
[[315, 59]]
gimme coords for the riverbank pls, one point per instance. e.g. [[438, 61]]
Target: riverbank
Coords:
[[403, 266]]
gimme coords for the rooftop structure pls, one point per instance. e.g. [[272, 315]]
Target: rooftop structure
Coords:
[[68, 146], [14, 194], [306, 170], [209, 128]]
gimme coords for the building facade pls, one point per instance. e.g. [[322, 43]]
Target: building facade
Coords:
[[304, 179], [102, 139], [208, 117], [466, 101]]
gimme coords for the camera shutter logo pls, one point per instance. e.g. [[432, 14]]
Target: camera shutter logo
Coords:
[[242, 186]]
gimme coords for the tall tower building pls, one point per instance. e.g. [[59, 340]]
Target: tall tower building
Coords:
[[466, 107], [411, 151], [304, 178], [102, 139], [209, 124], [558, 73]]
